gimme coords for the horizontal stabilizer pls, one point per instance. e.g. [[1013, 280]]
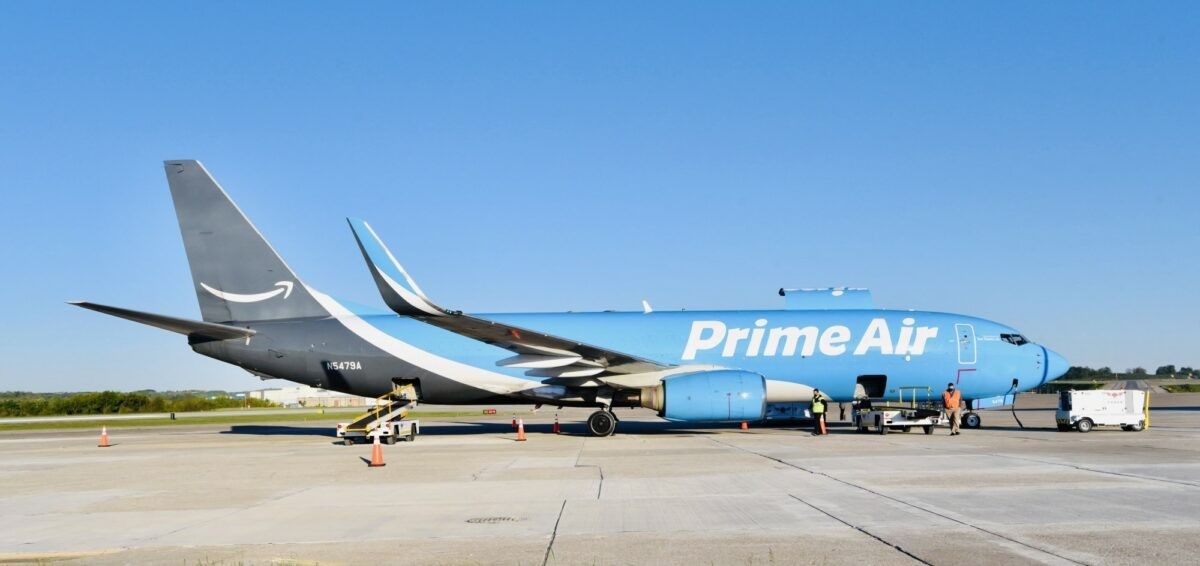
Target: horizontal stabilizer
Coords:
[[835, 298], [191, 328]]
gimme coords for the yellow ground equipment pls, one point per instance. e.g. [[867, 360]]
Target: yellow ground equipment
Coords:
[[385, 419]]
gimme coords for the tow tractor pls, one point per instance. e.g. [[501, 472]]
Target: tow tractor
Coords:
[[882, 414], [385, 419]]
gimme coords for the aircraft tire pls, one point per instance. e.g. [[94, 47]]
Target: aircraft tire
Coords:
[[602, 423], [972, 420]]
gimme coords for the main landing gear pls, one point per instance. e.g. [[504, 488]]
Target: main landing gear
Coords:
[[602, 423]]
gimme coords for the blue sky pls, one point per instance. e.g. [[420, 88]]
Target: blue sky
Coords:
[[1032, 163]]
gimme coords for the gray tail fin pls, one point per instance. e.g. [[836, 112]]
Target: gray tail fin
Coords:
[[237, 274]]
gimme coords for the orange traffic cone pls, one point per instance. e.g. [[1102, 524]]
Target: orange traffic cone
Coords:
[[376, 454], [745, 425], [520, 430], [557, 429], [103, 437], [822, 421]]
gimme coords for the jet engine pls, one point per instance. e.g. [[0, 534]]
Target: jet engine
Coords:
[[714, 395]]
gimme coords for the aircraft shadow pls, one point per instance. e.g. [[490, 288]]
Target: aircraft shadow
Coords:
[[663, 427], [467, 427], [280, 430], [576, 428]]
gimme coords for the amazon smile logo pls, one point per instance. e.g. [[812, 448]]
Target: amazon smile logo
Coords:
[[284, 287]]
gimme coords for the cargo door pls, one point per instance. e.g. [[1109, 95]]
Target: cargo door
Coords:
[[965, 334]]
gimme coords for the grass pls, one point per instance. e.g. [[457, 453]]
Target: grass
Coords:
[[1183, 388], [284, 416]]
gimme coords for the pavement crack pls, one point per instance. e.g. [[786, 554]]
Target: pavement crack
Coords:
[[223, 516], [863, 531], [554, 534], [599, 468], [902, 502], [1072, 466], [1095, 471]]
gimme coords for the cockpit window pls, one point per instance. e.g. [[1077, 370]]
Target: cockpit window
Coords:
[[1015, 339]]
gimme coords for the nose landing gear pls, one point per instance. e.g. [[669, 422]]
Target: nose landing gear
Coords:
[[972, 420], [602, 423]]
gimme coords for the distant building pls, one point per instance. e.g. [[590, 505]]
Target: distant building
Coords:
[[305, 396]]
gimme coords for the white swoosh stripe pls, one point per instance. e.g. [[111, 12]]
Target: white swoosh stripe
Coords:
[[285, 287], [465, 374], [410, 298]]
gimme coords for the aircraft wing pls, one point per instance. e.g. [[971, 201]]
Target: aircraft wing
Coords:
[[543, 355]]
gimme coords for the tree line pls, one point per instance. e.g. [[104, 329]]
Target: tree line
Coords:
[[22, 404], [1107, 374]]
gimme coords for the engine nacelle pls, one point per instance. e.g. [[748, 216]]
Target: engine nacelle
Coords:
[[716, 395]]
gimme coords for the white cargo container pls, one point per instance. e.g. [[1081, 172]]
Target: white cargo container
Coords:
[[1085, 410]]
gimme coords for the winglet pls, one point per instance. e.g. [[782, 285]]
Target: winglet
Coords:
[[399, 290]]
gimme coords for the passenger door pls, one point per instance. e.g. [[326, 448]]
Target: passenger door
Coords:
[[965, 335]]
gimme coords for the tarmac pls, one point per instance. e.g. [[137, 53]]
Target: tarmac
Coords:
[[465, 492]]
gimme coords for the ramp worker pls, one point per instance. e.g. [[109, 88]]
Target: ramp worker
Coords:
[[952, 399], [818, 412]]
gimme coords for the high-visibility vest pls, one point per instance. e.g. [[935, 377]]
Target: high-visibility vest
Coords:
[[818, 404], [951, 400]]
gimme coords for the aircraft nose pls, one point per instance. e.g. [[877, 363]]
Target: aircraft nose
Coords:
[[1056, 365]]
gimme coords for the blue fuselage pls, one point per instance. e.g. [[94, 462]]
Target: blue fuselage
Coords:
[[827, 349]]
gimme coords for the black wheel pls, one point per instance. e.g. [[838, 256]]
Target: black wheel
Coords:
[[602, 423], [906, 428], [1084, 425], [972, 420], [928, 429], [412, 435], [1126, 427], [1137, 427], [390, 439]]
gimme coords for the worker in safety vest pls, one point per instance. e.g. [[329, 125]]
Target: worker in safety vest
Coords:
[[818, 412], [952, 400]]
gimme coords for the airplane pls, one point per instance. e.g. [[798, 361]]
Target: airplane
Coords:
[[688, 366]]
